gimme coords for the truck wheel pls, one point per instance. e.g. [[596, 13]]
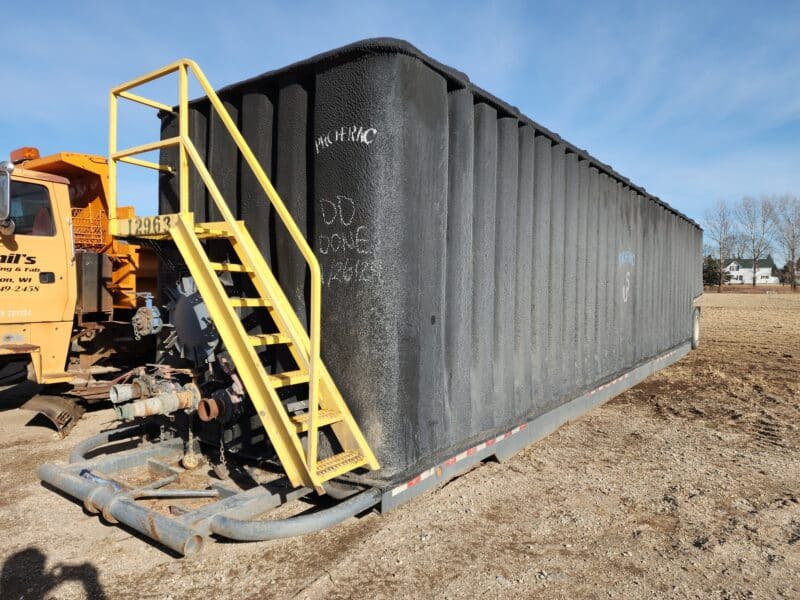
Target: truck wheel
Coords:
[[695, 328], [13, 371]]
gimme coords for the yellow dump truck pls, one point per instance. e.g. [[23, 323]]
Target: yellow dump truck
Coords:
[[68, 289]]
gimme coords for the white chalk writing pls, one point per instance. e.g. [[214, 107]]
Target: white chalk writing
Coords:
[[344, 208], [348, 270], [357, 241], [345, 243], [352, 133]]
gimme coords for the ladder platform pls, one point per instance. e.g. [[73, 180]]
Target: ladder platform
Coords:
[[229, 267], [269, 339], [339, 464], [324, 417], [288, 378]]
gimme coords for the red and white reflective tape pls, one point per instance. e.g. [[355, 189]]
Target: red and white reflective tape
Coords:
[[607, 385], [438, 470], [456, 459]]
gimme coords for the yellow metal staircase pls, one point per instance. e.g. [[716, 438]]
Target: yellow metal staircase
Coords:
[[326, 407]]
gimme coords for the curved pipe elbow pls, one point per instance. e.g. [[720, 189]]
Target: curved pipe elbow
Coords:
[[255, 531], [80, 451]]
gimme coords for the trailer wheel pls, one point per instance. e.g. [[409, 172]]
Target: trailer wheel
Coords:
[[695, 328]]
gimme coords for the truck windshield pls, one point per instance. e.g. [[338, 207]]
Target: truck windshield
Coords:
[[30, 209]]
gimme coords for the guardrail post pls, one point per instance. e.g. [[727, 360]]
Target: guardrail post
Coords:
[[112, 164], [183, 127]]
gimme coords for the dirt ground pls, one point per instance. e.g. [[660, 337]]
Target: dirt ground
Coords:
[[687, 485]]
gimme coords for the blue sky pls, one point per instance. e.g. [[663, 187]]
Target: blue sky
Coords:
[[695, 101]]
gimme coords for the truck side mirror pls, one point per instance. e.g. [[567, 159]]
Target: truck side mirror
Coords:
[[6, 168]]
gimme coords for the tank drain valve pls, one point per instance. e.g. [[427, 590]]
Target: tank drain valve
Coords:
[[224, 406]]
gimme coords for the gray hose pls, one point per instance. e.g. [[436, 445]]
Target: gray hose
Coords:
[[254, 531], [340, 491], [80, 451]]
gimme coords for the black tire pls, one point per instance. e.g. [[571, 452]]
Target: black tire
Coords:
[[695, 328], [13, 371]]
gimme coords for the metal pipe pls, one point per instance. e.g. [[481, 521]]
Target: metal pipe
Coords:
[[163, 404], [145, 148], [121, 507], [242, 506], [146, 101], [253, 531], [80, 451], [143, 493], [124, 392]]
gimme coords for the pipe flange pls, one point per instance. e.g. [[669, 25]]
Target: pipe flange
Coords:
[[89, 506], [207, 409], [106, 510], [108, 517]]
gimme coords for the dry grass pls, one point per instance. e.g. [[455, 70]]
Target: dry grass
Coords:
[[749, 289]]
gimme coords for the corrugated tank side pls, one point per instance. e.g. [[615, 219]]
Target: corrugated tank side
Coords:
[[478, 269]]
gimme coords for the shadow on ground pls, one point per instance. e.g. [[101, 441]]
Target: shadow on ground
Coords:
[[25, 575]]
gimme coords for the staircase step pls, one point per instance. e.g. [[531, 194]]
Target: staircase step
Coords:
[[249, 303], [338, 464], [229, 267], [288, 378], [206, 233], [269, 339], [324, 417]]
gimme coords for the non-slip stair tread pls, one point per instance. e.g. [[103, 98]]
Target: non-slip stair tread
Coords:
[[337, 464]]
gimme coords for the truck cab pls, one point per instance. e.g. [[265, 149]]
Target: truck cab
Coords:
[[37, 274], [68, 289]]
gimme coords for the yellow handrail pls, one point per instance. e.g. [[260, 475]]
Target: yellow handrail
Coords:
[[188, 151]]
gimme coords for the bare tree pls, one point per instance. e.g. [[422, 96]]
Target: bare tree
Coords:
[[720, 231], [739, 245], [758, 228], [786, 215]]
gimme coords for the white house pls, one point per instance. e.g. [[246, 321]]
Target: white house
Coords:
[[741, 271]]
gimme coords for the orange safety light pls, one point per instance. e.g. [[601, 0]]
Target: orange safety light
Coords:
[[22, 154]]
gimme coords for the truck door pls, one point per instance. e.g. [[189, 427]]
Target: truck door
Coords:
[[36, 261]]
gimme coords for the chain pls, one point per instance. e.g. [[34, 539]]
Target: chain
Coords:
[[222, 460]]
